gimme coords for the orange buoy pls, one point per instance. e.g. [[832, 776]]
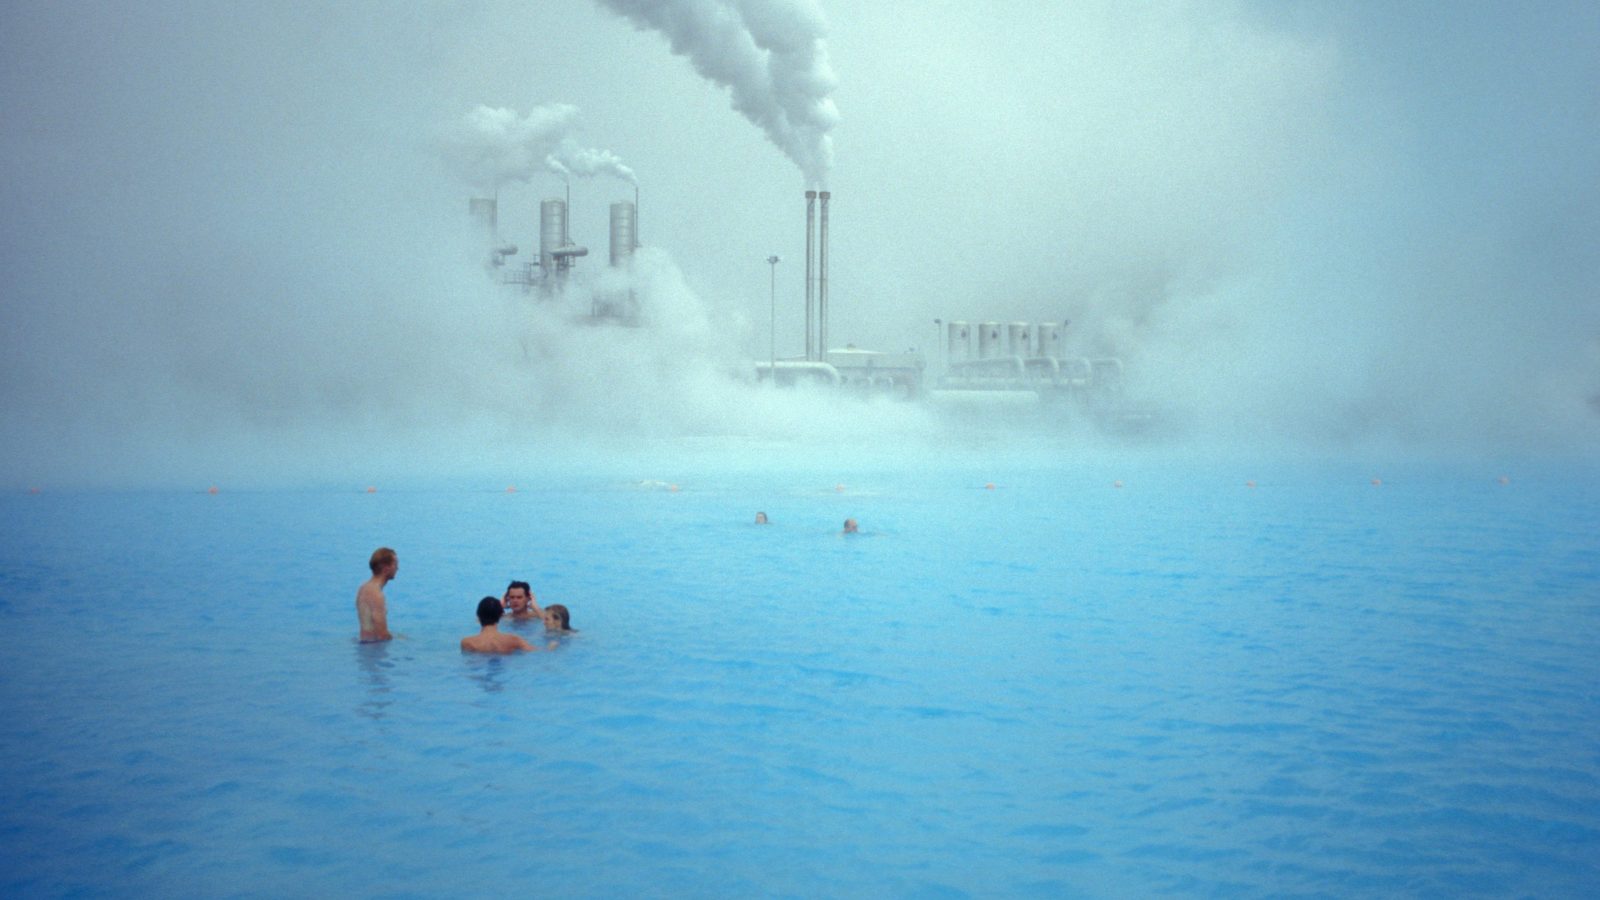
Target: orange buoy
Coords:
[[1377, 482], [1505, 479], [1249, 484], [511, 489], [212, 489], [371, 489], [989, 486], [673, 488]]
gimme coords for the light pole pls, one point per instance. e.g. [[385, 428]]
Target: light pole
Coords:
[[772, 320]]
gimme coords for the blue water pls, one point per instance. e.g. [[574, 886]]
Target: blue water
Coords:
[[1182, 686]]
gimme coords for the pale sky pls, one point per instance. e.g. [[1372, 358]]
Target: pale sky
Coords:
[[234, 245]]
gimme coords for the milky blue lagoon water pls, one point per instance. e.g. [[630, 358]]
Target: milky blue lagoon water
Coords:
[[1185, 686]]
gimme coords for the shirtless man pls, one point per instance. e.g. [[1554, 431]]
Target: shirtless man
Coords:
[[372, 609], [490, 639], [519, 599]]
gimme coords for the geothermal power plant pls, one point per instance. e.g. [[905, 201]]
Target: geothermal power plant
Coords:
[[978, 362]]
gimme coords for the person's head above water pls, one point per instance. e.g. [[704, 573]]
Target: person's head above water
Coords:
[[850, 526], [518, 595], [761, 518], [556, 618], [489, 611], [383, 558]]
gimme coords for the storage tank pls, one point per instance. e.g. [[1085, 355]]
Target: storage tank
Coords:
[[1048, 334], [624, 232], [960, 342], [552, 233], [989, 340], [1020, 339]]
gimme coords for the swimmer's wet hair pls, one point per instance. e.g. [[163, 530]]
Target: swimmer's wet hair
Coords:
[[560, 612], [526, 588], [380, 557], [489, 610]]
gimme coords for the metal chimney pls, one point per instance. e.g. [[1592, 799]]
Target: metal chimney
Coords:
[[811, 218], [822, 280]]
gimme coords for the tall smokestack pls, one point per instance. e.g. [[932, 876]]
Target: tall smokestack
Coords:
[[811, 216], [822, 280]]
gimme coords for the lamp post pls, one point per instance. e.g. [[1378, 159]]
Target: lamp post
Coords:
[[772, 321]]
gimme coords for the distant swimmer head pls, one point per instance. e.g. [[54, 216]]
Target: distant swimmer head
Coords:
[[761, 518], [383, 558], [556, 618], [850, 526], [518, 595], [488, 611]]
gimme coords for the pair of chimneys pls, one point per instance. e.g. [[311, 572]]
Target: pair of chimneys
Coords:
[[816, 277]]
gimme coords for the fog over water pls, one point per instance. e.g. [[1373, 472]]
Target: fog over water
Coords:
[[235, 246]]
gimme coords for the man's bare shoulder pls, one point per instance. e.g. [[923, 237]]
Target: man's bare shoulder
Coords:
[[500, 643]]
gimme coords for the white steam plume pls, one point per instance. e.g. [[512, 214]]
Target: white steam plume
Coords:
[[491, 146], [771, 57]]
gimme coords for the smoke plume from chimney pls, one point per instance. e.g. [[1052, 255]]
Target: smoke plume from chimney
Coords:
[[769, 54], [493, 146]]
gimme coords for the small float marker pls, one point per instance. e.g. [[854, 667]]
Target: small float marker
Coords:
[[33, 490], [371, 489], [838, 489], [511, 489], [1377, 482], [673, 488], [1117, 483], [212, 489], [989, 486], [1504, 479], [1249, 484]]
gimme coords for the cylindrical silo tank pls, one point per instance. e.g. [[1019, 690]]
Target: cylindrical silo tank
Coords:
[[960, 342], [624, 228], [552, 232], [1048, 335], [1020, 339], [989, 340]]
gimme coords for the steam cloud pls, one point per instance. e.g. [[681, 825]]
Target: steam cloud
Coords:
[[493, 146], [769, 54]]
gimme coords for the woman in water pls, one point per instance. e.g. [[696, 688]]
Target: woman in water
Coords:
[[556, 618]]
